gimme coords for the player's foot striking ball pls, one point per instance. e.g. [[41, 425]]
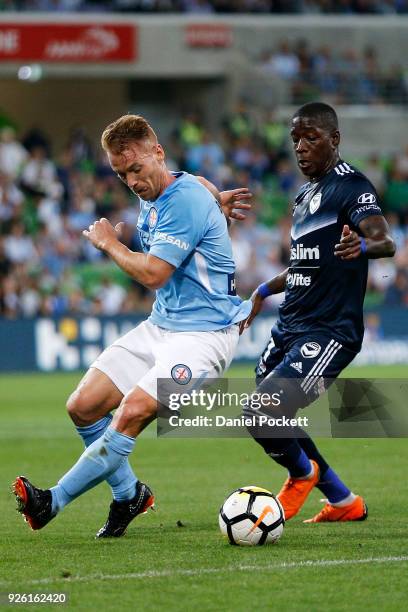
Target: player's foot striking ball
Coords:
[[34, 504], [294, 491], [356, 511], [122, 513]]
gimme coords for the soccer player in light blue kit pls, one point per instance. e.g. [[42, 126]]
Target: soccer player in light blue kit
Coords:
[[191, 333]]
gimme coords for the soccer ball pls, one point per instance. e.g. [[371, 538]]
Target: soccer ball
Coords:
[[252, 516]]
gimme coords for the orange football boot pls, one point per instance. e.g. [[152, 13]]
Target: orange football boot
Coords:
[[294, 492], [356, 511]]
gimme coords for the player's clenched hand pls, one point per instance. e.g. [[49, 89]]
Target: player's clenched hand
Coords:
[[256, 300], [102, 233], [235, 199], [349, 246]]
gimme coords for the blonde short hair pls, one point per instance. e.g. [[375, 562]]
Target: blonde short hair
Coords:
[[117, 136]]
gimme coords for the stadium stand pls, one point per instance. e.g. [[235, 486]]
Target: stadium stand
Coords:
[[46, 268], [342, 7], [343, 77]]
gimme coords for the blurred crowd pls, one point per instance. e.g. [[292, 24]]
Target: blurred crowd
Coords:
[[46, 200], [346, 7], [347, 77]]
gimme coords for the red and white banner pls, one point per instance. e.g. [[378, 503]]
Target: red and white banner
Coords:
[[68, 43], [208, 35]]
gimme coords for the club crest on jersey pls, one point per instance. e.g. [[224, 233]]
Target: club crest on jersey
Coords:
[[310, 350], [181, 374], [152, 218], [315, 203], [367, 198]]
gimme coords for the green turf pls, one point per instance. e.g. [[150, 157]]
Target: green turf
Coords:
[[160, 565]]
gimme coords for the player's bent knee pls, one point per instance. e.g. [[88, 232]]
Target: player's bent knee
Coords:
[[80, 408], [72, 405]]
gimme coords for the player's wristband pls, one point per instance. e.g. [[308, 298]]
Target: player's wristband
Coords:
[[264, 291], [363, 246]]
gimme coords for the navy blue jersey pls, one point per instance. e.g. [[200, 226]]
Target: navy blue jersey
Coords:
[[323, 292]]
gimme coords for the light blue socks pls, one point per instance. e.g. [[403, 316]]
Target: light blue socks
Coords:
[[99, 461], [123, 481]]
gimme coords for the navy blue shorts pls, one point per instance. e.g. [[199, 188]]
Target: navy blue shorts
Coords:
[[309, 363]]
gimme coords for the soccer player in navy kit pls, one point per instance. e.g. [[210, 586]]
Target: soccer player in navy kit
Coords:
[[337, 226]]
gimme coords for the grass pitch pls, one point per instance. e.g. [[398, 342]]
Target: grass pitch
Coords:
[[175, 558]]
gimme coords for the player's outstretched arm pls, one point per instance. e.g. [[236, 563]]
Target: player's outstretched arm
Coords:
[[150, 271], [276, 285], [376, 240], [231, 201]]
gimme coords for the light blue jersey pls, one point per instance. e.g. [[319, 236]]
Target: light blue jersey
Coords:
[[186, 227]]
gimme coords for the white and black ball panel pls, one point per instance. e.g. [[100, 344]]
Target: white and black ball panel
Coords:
[[251, 516], [274, 535], [226, 527], [236, 504], [274, 515], [245, 533]]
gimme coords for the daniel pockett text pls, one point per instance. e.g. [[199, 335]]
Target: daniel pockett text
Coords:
[[217, 400], [229, 408]]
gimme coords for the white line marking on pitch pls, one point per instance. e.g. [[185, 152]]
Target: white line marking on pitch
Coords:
[[216, 570]]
